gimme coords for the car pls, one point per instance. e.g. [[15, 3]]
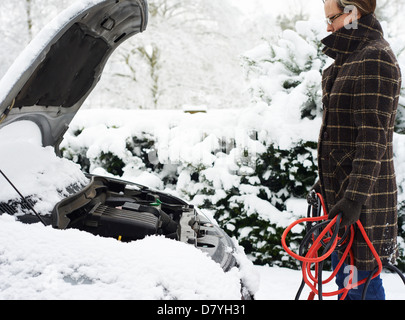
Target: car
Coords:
[[47, 85]]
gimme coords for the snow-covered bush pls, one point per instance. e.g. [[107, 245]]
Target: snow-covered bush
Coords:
[[286, 72]]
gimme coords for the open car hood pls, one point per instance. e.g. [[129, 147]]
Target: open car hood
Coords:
[[52, 77]]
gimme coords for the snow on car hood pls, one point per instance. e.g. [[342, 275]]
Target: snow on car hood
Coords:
[[73, 264], [44, 263], [35, 170], [52, 77]]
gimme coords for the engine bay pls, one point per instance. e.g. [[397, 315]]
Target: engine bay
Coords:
[[127, 211], [122, 210]]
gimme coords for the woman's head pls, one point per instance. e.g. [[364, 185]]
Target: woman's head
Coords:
[[340, 13], [363, 6]]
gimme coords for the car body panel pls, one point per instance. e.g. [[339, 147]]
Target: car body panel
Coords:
[[51, 79]]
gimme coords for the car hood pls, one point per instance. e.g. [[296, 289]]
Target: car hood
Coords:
[[52, 77]]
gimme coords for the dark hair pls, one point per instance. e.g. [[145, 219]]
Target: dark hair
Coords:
[[364, 6]]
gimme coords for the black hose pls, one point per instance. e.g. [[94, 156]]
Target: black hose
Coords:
[[369, 278], [313, 231]]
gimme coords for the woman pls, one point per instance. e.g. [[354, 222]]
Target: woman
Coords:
[[355, 152]]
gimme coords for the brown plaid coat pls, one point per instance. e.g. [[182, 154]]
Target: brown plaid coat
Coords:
[[355, 150]]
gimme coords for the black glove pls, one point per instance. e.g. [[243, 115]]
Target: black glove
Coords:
[[312, 198], [350, 211]]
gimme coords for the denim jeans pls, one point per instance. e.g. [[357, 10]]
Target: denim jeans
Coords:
[[375, 289]]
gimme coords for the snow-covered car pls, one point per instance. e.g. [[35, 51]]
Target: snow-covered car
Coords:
[[46, 86]]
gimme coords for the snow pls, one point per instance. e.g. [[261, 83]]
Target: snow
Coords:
[[282, 284], [33, 169], [38, 262]]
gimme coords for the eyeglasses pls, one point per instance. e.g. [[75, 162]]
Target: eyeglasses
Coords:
[[332, 19]]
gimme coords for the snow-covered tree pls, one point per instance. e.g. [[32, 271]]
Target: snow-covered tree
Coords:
[[188, 56]]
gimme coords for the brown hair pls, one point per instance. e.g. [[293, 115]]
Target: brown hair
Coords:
[[364, 6]]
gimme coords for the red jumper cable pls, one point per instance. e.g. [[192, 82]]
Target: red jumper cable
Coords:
[[329, 240]]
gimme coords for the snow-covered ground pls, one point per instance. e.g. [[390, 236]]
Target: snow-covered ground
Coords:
[[283, 284]]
